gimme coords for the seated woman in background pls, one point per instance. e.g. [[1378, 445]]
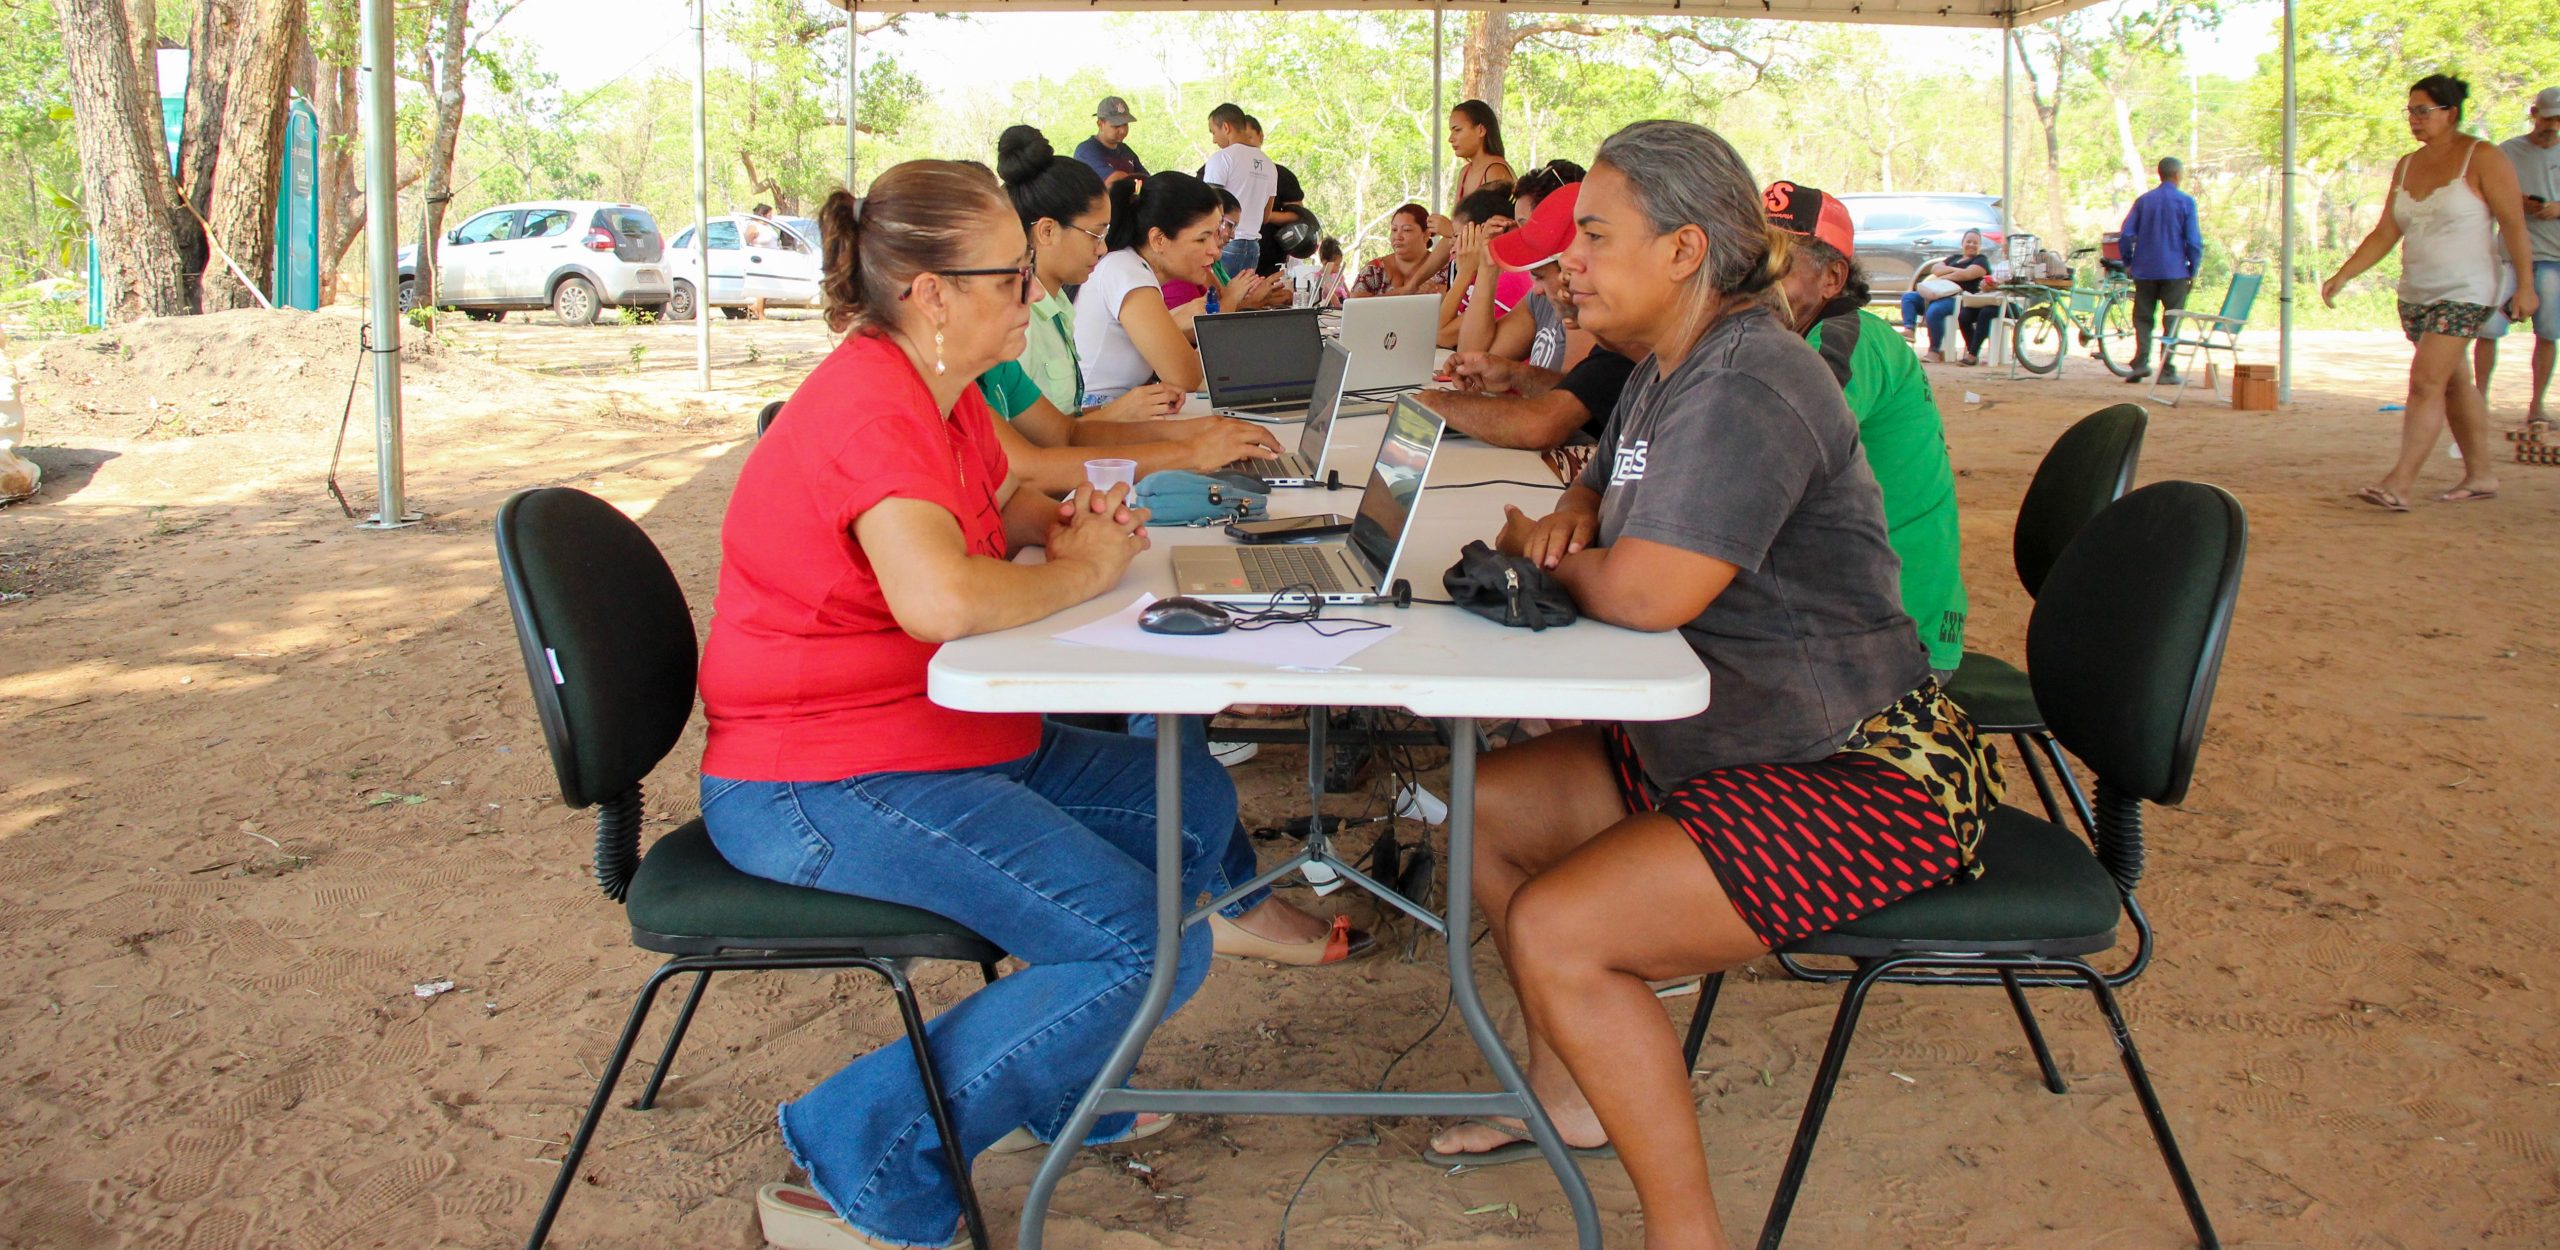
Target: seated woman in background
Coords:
[[1224, 292], [1535, 330], [1412, 265], [1966, 269], [1163, 229], [874, 525], [1730, 501], [1481, 217], [1038, 397]]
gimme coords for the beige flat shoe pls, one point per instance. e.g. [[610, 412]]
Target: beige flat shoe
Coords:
[[796, 1218], [1339, 943], [1020, 1139]]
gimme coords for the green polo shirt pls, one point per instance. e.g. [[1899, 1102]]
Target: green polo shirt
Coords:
[[1906, 444], [1049, 353], [1009, 389]]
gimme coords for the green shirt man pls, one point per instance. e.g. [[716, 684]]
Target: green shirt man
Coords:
[[1906, 445]]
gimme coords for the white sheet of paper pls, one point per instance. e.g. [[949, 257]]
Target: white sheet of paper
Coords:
[[1276, 646]]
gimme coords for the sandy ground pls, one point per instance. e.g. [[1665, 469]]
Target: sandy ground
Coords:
[[265, 771]]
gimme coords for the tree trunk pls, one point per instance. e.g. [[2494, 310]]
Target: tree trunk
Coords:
[[1489, 45], [2124, 140], [142, 19], [448, 69], [2048, 110], [242, 221], [124, 167]]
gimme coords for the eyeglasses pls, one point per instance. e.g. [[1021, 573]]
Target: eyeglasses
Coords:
[[1099, 239], [1020, 273], [2417, 111]]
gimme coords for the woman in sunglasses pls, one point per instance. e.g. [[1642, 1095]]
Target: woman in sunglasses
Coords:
[[873, 522], [2451, 200]]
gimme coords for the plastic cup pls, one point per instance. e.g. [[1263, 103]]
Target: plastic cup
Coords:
[[1102, 475]]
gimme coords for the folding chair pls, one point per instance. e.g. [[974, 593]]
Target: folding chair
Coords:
[[608, 647], [2208, 332], [2124, 646]]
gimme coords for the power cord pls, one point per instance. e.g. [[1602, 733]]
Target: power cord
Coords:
[[1310, 614], [1497, 481]]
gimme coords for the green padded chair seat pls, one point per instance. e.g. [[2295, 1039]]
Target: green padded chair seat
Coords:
[[687, 900], [1995, 694], [2041, 891]]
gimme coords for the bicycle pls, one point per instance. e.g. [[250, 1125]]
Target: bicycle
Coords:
[[2101, 311]]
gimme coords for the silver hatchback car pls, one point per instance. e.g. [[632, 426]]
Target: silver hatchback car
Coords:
[[1899, 231]]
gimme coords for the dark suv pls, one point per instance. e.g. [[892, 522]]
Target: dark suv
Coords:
[[1898, 232]]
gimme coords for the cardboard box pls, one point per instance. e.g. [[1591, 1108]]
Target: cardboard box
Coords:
[[2253, 388]]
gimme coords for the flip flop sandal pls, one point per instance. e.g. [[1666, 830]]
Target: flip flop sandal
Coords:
[[1518, 1150], [1020, 1139], [2383, 499], [794, 1217], [2464, 494]]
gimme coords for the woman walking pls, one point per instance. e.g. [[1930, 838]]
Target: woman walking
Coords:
[[2451, 201]]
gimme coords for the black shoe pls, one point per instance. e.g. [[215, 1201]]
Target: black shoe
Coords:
[[2137, 373]]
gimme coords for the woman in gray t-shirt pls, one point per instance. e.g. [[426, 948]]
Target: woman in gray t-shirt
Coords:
[[1729, 501]]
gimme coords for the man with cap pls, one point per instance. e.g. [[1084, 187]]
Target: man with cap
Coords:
[[2162, 243], [2536, 156], [1107, 152], [1512, 403], [1898, 423]]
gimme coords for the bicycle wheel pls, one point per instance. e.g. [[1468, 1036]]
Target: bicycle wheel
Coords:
[[2115, 334], [2037, 340]]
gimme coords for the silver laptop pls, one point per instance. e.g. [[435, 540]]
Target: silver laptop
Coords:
[[1359, 569], [1259, 364], [1305, 466], [1391, 339]]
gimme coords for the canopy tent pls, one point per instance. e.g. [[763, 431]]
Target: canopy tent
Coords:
[[382, 220]]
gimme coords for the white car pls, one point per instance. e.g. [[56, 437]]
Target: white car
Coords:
[[752, 258], [573, 257]]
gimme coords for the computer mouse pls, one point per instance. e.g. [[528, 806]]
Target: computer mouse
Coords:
[[1185, 615]]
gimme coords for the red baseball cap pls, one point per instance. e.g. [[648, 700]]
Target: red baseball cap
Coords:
[[1807, 211], [1542, 239]]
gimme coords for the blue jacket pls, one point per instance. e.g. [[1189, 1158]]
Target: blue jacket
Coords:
[[2162, 238]]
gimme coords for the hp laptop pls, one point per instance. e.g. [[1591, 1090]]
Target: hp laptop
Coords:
[[1391, 339], [1359, 569], [1305, 466], [1259, 364]]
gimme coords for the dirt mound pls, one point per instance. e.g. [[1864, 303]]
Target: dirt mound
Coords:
[[250, 369]]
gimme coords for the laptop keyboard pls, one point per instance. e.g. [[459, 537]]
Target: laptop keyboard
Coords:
[[1286, 466], [1272, 569]]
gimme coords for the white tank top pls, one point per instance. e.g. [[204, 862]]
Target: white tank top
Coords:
[[2448, 241]]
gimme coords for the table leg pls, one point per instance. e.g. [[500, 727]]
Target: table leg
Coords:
[[1124, 1057], [1462, 983]]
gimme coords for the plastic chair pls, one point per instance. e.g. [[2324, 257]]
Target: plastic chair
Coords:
[[765, 416], [2208, 332], [2125, 646], [609, 649]]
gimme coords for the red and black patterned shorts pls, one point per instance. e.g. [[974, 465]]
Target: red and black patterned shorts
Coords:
[[1802, 849]]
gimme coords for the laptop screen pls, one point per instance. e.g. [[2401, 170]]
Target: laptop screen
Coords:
[[1331, 367], [1259, 357], [1395, 481]]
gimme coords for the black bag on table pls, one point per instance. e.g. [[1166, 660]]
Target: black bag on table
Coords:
[[1508, 590]]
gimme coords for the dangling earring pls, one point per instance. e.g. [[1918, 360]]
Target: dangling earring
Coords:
[[939, 368]]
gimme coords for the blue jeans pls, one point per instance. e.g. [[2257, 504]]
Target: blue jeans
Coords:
[[1052, 857], [1241, 256], [1239, 865], [1938, 312]]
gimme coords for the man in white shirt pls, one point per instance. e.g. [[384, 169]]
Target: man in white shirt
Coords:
[[2536, 157], [1249, 176]]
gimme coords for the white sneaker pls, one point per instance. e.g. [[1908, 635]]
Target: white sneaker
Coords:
[[1234, 753]]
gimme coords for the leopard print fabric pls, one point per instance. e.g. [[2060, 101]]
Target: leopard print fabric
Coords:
[[1929, 739]]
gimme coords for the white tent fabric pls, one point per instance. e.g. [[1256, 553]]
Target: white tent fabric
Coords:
[[381, 220]]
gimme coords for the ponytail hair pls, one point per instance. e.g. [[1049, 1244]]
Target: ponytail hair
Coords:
[[1479, 113], [1169, 203], [919, 217], [1042, 183]]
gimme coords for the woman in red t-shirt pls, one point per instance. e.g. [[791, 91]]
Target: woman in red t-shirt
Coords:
[[873, 522]]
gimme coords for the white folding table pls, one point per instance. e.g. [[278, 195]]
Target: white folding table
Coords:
[[1441, 663]]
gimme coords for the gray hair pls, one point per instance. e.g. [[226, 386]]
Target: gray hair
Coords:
[[1687, 175]]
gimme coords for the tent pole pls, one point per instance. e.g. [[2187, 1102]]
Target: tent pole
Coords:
[[1439, 107], [382, 268], [701, 207], [2284, 275], [851, 79], [2008, 133]]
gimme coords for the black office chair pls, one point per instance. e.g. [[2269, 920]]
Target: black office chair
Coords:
[[2124, 647], [609, 648], [765, 416]]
